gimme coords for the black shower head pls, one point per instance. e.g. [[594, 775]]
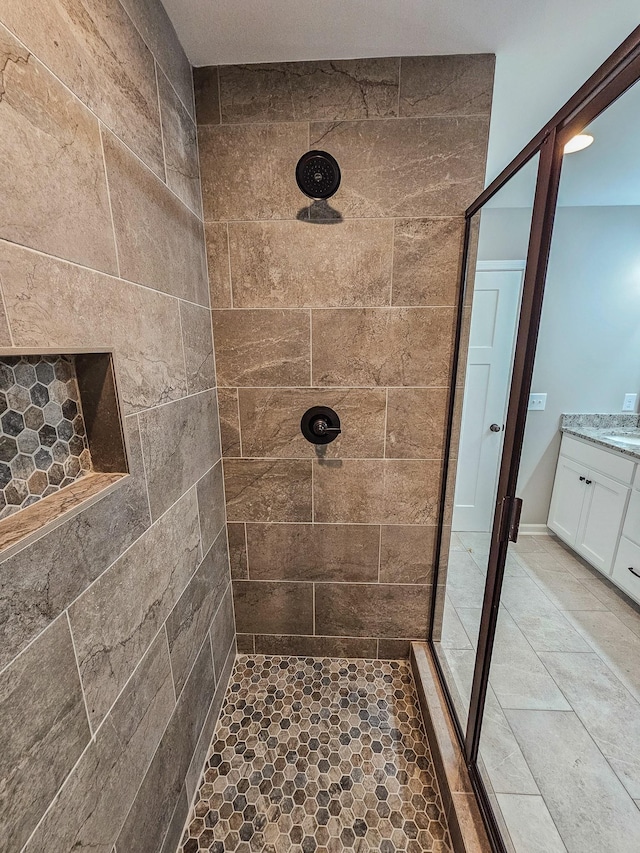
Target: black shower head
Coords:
[[318, 174]]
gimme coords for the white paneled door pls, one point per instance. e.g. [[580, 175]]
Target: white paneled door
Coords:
[[496, 303]]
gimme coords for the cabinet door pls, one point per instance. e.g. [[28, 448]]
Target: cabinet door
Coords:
[[603, 512], [567, 498]]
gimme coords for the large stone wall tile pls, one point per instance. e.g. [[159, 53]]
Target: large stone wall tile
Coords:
[[71, 307], [160, 241], [446, 85], [382, 346], [366, 610], [313, 552], [223, 632], [427, 256], [273, 608], [407, 553], [180, 443], [180, 146], [406, 167], [268, 348], [302, 91], [156, 29], [40, 581], [52, 182], [301, 264], [268, 489], [190, 619], [207, 95], [95, 49], [211, 508], [416, 422], [150, 816], [248, 171], [91, 808], [198, 347], [270, 421], [43, 730], [114, 621], [217, 241], [392, 491], [229, 421], [321, 647]]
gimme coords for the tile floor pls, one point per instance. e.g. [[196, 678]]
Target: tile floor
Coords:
[[560, 745], [318, 755]]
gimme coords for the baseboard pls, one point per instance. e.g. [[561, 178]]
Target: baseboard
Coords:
[[533, 530]]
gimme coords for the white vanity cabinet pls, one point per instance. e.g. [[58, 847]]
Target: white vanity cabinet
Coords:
[[589, 501]]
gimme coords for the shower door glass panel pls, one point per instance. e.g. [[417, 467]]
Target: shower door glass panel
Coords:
[[495, 270], [559, 749]]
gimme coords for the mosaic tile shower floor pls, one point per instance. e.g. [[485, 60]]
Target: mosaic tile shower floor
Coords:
[[318, 756]]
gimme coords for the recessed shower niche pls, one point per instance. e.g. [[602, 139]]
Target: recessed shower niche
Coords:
[[61, 437]]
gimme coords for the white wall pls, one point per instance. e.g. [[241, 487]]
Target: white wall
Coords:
[[557, 47], [589, 346]]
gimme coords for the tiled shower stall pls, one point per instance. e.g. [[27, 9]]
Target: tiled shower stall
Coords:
[[118, 622]]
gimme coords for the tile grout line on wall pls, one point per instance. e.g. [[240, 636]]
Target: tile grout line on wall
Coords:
[[75, 656], [184, 356], [237, 390], [453, 116], [113, 225], [146, 479], [6, 315], [228, 238], [173, 680], [219, 87], [160, 111], [246, 550]]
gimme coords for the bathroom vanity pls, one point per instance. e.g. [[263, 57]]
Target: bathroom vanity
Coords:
[[595, 505]]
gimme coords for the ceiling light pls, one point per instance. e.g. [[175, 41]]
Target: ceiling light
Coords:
[[578, 142]]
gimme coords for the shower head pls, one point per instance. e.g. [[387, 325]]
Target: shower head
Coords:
[[318, 174]]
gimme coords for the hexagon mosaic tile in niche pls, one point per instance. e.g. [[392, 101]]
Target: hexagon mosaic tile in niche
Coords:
[[318, 756], [43, 443]]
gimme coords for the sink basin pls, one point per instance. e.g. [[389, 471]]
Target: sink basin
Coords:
[[623, 439]]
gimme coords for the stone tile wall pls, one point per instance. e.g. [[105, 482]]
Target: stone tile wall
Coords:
[[348, 304], [117, 627]]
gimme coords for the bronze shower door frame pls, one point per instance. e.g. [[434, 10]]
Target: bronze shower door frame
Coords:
[[618, 73]]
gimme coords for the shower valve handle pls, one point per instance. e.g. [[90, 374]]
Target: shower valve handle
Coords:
[[321, 426]]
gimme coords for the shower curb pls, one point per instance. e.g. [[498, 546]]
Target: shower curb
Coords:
[[468, 834]]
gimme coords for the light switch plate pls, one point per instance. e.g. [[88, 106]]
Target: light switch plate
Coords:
[[629, 404], [537, 402]]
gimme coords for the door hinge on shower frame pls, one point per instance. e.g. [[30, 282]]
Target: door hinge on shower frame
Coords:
[[510, 519], [515, 511]]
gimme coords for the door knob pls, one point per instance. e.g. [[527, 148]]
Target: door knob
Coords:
[[495, 428]]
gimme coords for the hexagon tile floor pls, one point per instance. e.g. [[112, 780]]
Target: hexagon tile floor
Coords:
[[318, 756]]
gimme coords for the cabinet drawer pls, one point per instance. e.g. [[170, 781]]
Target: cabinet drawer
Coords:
[[628, 558], [631, 527], [607, 461]]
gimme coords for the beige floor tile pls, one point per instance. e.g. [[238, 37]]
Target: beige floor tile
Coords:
[[530, 825], [589, 805]]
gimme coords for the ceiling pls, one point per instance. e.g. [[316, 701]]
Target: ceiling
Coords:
[[545, 49], [231, 31]]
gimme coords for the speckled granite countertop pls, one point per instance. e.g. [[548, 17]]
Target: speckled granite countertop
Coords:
[[598, 429]]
